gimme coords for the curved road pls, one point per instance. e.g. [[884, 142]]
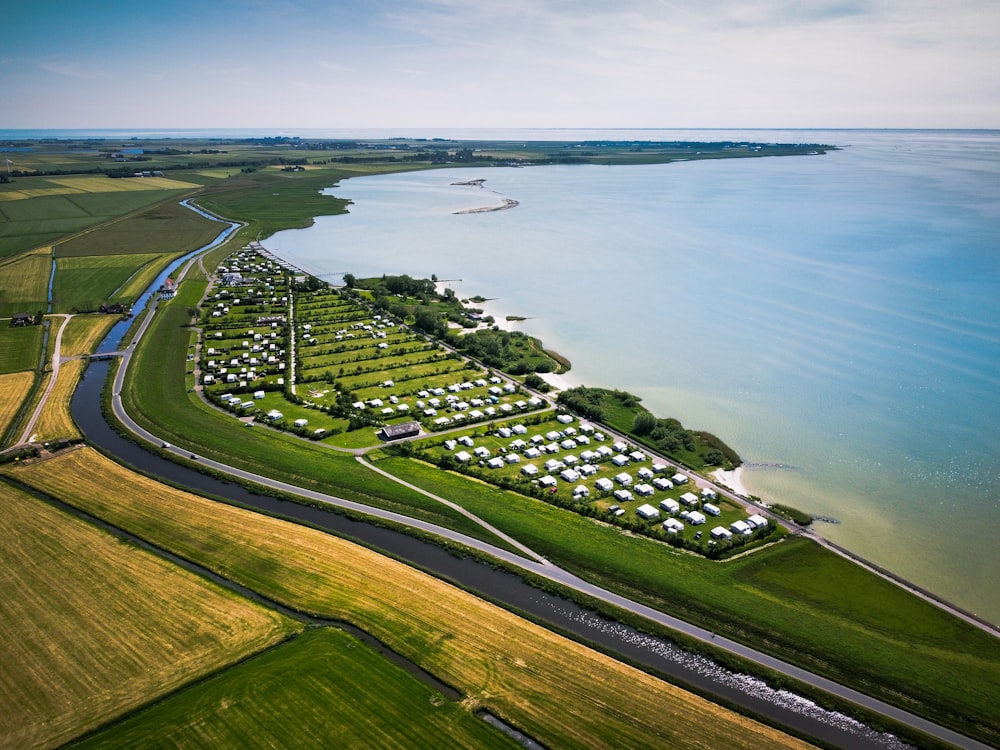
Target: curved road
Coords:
[[538, 566]]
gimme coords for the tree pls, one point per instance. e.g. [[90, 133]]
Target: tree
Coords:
[[644, 423], [349, 280]]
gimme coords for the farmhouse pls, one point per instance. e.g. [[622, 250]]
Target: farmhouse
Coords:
[[402, 430]]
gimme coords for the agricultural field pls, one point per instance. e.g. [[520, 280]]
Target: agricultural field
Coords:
[[341, 690], [24, 282], [38, 211], [84, 332], [14, 387], [166, 228], [86, 637], [85, 283], [54, 421], [20, 348], [558, 691]]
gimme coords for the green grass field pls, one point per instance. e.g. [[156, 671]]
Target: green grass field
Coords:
[[323, 689], [24, 283], [85, 283], [166, 228], [20, 348], [36, 212]]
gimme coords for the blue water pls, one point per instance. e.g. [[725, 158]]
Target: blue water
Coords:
[[836, 315]]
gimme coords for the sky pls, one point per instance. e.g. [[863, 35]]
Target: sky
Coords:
[[506, 64]]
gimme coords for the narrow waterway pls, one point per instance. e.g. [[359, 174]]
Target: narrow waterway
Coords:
[[698, 672]]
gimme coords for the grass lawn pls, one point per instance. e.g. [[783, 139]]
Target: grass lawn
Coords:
[[324, 688], [91, 627], [558, 691]]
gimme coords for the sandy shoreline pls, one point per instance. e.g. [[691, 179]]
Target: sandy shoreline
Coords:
[[733, 479]]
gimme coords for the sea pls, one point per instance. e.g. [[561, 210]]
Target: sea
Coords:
[[834, 317]]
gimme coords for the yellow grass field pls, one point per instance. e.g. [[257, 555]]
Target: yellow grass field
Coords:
[[91, 628], [25, 278], [560, 692], [84, 332], [94, 184], [54, 421], [97, 184], [13, 389]]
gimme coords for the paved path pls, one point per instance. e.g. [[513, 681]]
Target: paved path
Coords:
[[29, 428]]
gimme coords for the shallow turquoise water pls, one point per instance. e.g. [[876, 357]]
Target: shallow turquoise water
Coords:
[[837, 315]]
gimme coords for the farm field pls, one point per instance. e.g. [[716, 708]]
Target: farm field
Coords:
[[24, 282], [84, 332], [20, 348], [54, 421], [323, 684], [35, 211], [85, 637], [166, 228], [560, 692], [85, 283], [14, 386]]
